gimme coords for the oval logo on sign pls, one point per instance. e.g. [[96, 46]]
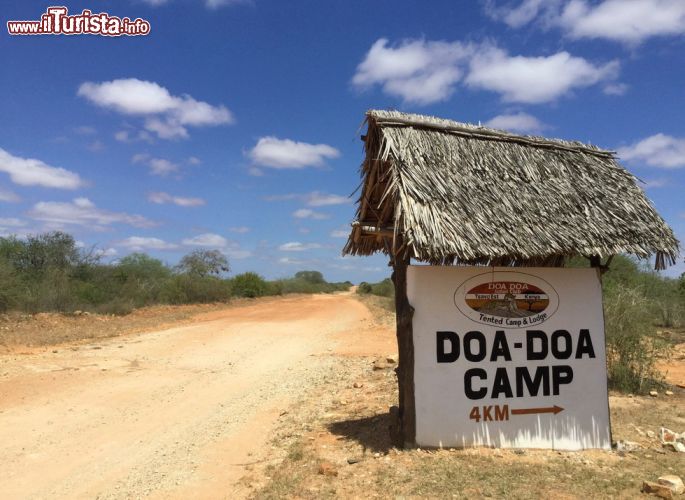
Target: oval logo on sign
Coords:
[[507, 298]]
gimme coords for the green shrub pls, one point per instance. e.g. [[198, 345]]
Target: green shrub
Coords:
[[10, 286], [48, 272], [52, 291], [632, 347], [309, 282], [274, 287], [195, 289], [249, 285], [384, 288], [314, 277], [142, 278]]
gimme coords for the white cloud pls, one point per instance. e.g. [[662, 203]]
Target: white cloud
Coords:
[[129, 96], [303, 263], [162, 167], [285, 153], [8, 196], [625, 21], [418, 71], [340, 233], [166, 115], [11, 222], [157, 166], [289, 261], [83, 212], [518, 122], [96, 146], [534, 80], [107, 252], [85, 130], [122, 136], [313, 199], [316, 199], [655, 183], [16, 232], [306, 213], [630, 22], [516, 17], [373, 269], [194, 160], [128, 136], [162, 198], [239, 229], [166, 129], [615, 89], [424, 72], [32, 172], [659, 150], [206, 240], [141, 243], [234, 251], [231, 249], [296, 246], [284, 197]]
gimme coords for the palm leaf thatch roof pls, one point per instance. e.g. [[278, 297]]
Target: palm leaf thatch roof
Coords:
[[445, 192]]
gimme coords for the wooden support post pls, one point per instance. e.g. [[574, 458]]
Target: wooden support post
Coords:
[[596, 261], [405, 435]]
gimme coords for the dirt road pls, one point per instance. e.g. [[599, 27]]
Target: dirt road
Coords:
[[173, 413]]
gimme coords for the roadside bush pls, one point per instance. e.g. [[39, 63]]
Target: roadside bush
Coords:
[[49, 272], [51, 291], [384, 288], [249, 285], [308, 282], [632, 346], [195, 289], [313, 277], [10, 286], [295, 285], [274, 287]]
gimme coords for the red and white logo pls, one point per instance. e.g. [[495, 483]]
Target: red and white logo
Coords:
[[57, 21], [507, 299]]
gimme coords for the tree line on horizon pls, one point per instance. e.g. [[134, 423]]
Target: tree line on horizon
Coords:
[[49, 272]]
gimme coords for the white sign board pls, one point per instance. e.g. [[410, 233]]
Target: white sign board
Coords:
[[509, 357]]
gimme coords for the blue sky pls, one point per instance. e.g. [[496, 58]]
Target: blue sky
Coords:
[[235, 124]]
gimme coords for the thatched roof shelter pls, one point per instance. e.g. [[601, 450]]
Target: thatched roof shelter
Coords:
[[445, 192]]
